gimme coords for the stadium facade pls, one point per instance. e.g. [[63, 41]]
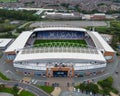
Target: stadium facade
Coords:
[[63, 59]]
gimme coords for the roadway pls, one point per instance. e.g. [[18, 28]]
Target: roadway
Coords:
[[116, 77], [11, 73], [68, 23], [21, 26], [31, 88]]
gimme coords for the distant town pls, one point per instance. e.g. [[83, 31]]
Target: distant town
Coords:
[[76, 5], [67, 9]]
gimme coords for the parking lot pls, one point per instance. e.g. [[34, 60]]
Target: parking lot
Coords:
[[67, 23]]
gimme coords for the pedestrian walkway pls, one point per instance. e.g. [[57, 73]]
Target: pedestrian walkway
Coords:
[[71, 88], [5, 94], [26, 80], [63, 83], [21, 89], [113, 94], [73, 93], [56, 91]]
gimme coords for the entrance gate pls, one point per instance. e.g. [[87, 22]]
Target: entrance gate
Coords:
[[60, 73]]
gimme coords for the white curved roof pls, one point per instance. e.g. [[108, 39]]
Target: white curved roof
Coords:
[[60, 28], [100, 42], [20, 42], [59, 55]]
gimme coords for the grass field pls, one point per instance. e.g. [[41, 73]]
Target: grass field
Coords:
[[3, 77], [8, 0], [47, 89], [11, 91], [60, 43]]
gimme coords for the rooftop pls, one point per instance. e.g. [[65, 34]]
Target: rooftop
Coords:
[[100, 42], [59, 28], [20, 42], [4, 42], [60, 50], [59, 55]]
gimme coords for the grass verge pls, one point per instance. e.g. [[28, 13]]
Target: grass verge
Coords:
[[3, 77], [47, 89], [11, 91]]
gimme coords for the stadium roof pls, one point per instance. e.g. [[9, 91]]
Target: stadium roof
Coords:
[[59, 28], [33, 50], [100, 14], [59, 55], [20, 42], [100, 42], [4, 42]]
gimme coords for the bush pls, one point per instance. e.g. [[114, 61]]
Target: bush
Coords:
[[107, 86], [114, 90], [77, 87], [106, 83], [82, 86], [104, 92], [92, 88]]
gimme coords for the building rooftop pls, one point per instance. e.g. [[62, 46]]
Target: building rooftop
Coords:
[[20, 42], [60, 55], [99, 14], [59, 28], [100, 42], [4, 42]]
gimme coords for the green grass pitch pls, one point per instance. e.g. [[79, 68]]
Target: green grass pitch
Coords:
[[60, 43]]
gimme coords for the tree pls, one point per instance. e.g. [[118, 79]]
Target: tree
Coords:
[[19, 14], [66, 5], [15, 90], [82, 87], [2, 86], [77, 8], [107, 83], [93, 88]]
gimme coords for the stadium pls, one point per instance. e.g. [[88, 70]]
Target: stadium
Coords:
[[60, 52]]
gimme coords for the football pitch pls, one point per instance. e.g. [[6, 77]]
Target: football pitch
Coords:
[[8, 0], [60, 43]]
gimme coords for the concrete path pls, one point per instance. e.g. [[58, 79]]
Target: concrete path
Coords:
[[5, 94], [61, 81], [56, 91], [116, 77]]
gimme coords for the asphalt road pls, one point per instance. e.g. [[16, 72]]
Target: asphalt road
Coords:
[[116, 77], [31, 88], [11, 73]]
